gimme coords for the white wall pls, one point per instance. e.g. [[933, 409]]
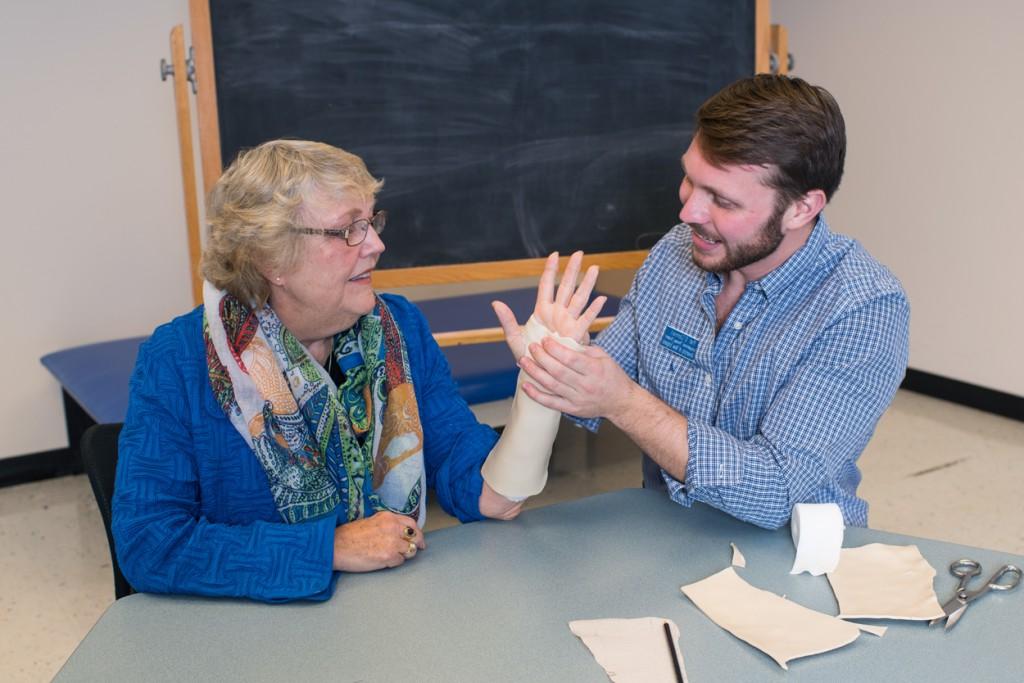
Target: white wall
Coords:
[[933, 96], [93, 231]]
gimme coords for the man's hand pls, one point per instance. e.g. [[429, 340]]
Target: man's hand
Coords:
[[562, 312], [385, 539], [497, 506], [587, 383]]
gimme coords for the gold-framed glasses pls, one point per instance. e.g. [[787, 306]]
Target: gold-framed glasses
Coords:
[[354, 233]]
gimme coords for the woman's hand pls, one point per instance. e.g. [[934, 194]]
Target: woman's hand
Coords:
[[386, 539], [562, 312], [497, 506]]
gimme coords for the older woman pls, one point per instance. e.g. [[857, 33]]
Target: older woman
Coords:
[[289, 427]]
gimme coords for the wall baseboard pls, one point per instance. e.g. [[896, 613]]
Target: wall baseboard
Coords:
[[23, 469], [965, 394], [56, 463]]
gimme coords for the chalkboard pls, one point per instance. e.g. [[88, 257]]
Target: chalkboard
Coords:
[[503, 129]]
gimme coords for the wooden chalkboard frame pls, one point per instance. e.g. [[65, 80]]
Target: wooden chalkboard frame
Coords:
[[209, 145]]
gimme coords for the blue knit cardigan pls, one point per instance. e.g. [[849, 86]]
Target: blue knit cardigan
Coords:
[[192, 508]]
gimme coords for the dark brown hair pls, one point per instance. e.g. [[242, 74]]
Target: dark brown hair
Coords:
[[777, 121]]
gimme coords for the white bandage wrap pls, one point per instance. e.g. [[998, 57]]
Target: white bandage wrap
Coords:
[[517, 467], [817, 530]]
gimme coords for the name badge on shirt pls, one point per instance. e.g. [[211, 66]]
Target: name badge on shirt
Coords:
[[679, 343]]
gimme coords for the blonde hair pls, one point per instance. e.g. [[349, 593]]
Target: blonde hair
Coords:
[[259, 199]]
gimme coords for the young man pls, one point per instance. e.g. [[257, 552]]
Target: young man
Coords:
[[756, 349]]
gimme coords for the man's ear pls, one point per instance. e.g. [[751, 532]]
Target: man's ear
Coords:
[[804, 210]]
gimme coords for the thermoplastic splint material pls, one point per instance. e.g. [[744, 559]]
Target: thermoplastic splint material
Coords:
[[818, 535], [781, 629], [631, 649], [517, 467], [737, 557], [879, 581], [871, 628]]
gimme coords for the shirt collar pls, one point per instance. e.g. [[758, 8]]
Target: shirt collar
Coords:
[[796, 265]]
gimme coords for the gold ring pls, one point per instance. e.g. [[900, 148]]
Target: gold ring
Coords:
[[411, 551], [409, 532]]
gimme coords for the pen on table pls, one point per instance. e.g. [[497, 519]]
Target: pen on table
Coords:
[[672, 650]]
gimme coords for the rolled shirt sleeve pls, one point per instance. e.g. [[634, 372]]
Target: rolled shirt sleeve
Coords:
[[814, 430]]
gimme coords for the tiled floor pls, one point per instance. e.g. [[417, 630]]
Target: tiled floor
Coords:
[[933, 469]]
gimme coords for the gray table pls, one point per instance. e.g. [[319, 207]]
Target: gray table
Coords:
[[490, 602]]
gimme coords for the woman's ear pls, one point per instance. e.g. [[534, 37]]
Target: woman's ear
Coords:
[[272, 278]]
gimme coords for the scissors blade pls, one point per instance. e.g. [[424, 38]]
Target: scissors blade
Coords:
[[955, 616], [954, 604], [951, 607]]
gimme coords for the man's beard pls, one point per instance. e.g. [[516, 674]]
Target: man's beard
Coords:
[[764, 244]]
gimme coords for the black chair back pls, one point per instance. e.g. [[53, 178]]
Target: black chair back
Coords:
[[99, 458]]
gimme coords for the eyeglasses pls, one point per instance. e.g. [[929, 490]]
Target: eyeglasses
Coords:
[[354, 233]]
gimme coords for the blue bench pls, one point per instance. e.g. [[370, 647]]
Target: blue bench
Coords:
[[94, 377]]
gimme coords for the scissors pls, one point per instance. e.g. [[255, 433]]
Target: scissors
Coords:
[[967, 570]]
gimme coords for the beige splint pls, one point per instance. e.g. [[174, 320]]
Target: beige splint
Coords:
[[517, 467]]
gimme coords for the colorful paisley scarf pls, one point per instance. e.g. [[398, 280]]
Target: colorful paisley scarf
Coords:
[[349, 450]]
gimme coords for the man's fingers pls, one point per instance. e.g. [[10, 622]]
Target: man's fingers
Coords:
[[559, 360], [541, 377], [547, 400]]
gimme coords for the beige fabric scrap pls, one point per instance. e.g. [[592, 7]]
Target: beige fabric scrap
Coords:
[[871, 628], [781, 629], [879, 581], [737, 557], [631, 650]]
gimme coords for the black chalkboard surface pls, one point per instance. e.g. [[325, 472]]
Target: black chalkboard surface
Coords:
[[503, 128]]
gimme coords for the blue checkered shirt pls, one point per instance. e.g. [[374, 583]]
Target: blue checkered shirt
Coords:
[[782, 400]]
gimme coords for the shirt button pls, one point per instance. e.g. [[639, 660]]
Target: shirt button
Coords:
[[737, 326], [708, 379]]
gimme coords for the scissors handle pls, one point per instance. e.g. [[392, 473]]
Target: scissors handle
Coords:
[[996, 582], [966, 569]]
